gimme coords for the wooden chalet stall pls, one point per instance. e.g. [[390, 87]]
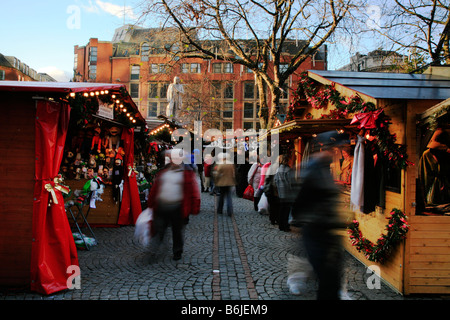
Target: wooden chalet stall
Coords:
[[390, 111], [36, 241]]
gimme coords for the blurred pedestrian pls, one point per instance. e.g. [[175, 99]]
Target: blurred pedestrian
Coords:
[[207, 167], [254, 177], [271, 191], [284, 180], [316, 208], [174, 196], [241, 176], [225, 180]]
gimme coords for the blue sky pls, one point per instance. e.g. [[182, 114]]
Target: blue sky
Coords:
[[43, 33]]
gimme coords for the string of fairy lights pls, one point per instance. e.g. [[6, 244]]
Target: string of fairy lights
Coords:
[[114, 99]]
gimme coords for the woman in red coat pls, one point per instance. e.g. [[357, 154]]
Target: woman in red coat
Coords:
[[174, 196]]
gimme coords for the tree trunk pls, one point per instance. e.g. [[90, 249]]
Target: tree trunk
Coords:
[[263, 108]]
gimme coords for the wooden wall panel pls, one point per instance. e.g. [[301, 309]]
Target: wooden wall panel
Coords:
[[17, 152], [429, 255]]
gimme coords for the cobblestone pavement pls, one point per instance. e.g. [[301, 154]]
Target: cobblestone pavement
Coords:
[[242, 257]]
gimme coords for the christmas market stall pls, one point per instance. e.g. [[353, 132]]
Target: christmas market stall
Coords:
[[385, 118], [37, 124]]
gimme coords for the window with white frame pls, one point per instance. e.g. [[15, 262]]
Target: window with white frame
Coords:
[[92, 72], [227, 110], [135, 72], [152, 111], [222, 67], [93, 54], [145, 49], [134, 90], [249, 110], [249, 90], [190, 68], [157, 98], [157, 68]]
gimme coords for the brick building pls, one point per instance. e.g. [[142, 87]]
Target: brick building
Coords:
[[219, 93], [11, 68]]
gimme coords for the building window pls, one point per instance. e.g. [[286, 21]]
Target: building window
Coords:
[[93, 72], [283, 67], [157, 94], [2, 74], [248, 125], [134, 90], [228, 91], [227, 110], [145, 49], [135, 70], [93, 54], [185, 68], [249, 110], [227, 125], [157, 68], [226, 67], [195, 67], [153, 91], [154, 68], [249, 90], [152, 109], [75, 62], [217, 68], [222, 90], [190, 68]]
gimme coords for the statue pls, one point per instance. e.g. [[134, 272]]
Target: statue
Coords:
[[174, 97]]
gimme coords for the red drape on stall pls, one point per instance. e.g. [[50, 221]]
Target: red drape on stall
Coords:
[[53, 248], [130, 207]]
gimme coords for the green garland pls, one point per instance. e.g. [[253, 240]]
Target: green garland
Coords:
[[319, 99], [380, 251]]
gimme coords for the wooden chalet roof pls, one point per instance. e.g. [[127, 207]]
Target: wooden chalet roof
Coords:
[[381, 85]]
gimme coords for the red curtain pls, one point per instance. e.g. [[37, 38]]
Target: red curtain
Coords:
[[53, 248], [130, 207]]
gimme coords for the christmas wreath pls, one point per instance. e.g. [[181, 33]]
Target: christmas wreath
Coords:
[[379, 251]]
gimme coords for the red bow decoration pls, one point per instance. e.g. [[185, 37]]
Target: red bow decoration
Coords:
[[367, 120]]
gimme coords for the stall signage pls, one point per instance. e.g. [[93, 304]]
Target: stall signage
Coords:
[[105, 110]]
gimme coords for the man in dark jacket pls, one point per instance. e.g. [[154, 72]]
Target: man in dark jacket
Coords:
[[316, 208]]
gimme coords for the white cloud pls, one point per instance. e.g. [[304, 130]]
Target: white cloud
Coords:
[[117, 10], [91, 8], [58, 74]]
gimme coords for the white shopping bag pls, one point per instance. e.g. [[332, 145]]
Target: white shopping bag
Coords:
[[263, 204], [142, 229]]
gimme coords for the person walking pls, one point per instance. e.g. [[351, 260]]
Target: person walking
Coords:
[[225, 180], [253, 178], [174, 196], [284, 180], [241, 176], [207, 168], [316, 208]]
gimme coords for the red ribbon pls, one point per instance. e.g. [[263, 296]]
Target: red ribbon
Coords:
[[367, 120]]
